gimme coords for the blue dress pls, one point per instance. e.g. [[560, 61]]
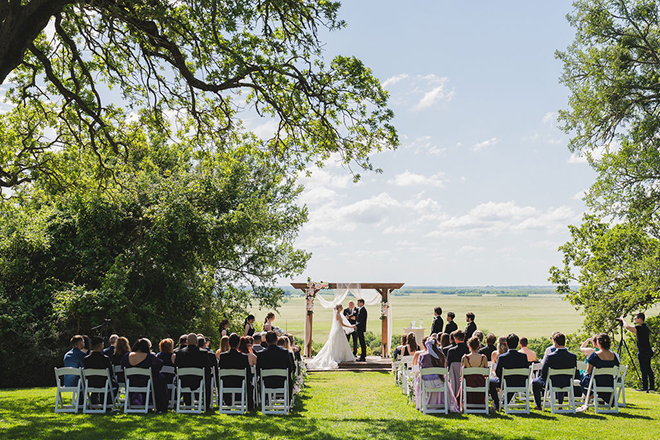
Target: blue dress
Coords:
[[601, 381]]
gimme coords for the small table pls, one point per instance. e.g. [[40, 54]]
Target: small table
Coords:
[[419, 333]]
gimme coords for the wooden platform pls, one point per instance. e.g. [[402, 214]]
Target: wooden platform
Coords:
[[373, 363]]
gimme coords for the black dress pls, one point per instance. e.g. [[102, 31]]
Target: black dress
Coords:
[[601, 381], [160, 386]]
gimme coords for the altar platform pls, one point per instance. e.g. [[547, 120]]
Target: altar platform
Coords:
[[373, 363]]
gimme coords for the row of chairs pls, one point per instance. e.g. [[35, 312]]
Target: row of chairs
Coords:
[[102, 399]]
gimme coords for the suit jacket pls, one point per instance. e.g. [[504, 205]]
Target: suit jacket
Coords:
[[192, 356], [470, 329], [73, 358], [109, 351], [274, 358], [455, 354], [512, 359], [351, 315], [450, 327], [230, 360], [559, 359], [362, 320], [487, 351], [96, 359], [437, 325]]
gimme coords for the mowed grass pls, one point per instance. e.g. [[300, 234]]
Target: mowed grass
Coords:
[[336, 405], [533, 316]]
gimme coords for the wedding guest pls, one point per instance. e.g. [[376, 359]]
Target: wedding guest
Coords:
[[224, 327], [275, 358], [235, 359], [438, 323], [264, 344], [142, 357], [87, 348], [248, 327], [295, 349], [212, 371], [588, 347], [111, 349], [74, 359], [509, 360], [192, 356], [531, 356], [490, 347], [432, 357], [399, 349], [474, 359], [283, 342], [479, 334], [559, 359], [444, 343], [166, 354], [183, 341], [551, 348], [502, 348], [256, 347], [268, 322], [97, 360], [422, 348], [224, 346], [454, 357], [471, 327], [244, 346], [603, 358], [451, 325], [411, 345]]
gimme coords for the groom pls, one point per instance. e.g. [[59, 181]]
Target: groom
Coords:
[[361, 328]]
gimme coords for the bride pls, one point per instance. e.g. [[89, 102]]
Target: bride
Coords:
[[336, 350]]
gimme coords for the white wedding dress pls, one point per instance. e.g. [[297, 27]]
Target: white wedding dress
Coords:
[[336, 350]]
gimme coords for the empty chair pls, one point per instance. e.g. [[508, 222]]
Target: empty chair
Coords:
[[197, 395], [237, 396], [139, 382], [476, 408], [551, 391], [621, 385], [60, 406], [438, 407], [507, 377], [275, 400], [101, 394]]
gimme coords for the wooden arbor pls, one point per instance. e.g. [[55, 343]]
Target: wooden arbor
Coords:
[[383, 288]]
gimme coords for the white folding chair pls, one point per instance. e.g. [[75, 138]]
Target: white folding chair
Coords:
[[406, 371], [474, 408], [255, 385], [75, 391], [89, 407], [428, 408], [238, 395], [594, 389], [196, 405], [507, 389], [171, 386], [118, 372], [621, 385], [550, 392], [275, 400], [582, 367], [148, 390]]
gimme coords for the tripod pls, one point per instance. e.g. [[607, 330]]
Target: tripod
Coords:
[[622, 343]]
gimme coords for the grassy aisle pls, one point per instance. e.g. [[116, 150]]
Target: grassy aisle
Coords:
[[334, 406]]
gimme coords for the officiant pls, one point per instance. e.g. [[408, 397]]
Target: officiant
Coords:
[[351, 313]]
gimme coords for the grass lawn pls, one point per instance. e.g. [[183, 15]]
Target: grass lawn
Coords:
[[337, 405]]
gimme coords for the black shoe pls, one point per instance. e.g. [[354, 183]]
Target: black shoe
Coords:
[[361, 360]]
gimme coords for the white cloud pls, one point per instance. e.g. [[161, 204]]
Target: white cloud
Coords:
[[579, 195], [395, 230], [394, 79], [423, 144], [595, 154], [409, 179], [434, 89], [317, 242], [266, 130], [545, 244], [549, 118], [471, 250], [373, 211], [485, 144], [431, 97]]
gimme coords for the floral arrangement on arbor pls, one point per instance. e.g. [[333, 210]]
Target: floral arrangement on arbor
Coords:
[[310, 294], [384, 307]]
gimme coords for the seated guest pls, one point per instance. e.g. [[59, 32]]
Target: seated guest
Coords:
[[488, 350], [454, 357], [397, 351], [142, 357], [588, 347], [268, 322], [202, 344], [559, 359], [502, 348], [411, 345], [121, 348], [443, 343], [479, 334], [415, 358], [264, 343], [166, 354], [475, 360], [256, 346], [97, 360], [275, 358], [602, 358], [471, 326], [234, 359], [111, 349], [74, 358], [438, 323], [509, 360], [283, 342], [183, 341], [451, 326], [87, 348], [192, 356], [432, 357], [224, 327], [531, 356], [224, 346], [244, 346], [294, 348], [551, 348]]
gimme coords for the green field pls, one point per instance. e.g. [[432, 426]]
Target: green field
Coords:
[[531, 316]]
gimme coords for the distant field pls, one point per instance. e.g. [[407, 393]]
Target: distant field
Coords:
[[532, 316]]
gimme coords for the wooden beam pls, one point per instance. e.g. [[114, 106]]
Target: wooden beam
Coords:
[[389, 286]]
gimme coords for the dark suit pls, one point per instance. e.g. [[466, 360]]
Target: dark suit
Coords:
[[437, 325], [361, 329], [97, 360], [213, 363], [559, 359], [276, 358], [487, 351], [450, 327], [351, 315], [470, 328], [455, 353], [109, 351], [192, 356], [235, 360], [509, 360]]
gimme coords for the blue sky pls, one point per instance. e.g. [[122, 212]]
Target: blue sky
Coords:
[[483, 185]]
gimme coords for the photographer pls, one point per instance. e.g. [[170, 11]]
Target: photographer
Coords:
[[644, 351]]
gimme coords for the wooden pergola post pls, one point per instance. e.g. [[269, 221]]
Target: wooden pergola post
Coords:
[[383, 288]]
